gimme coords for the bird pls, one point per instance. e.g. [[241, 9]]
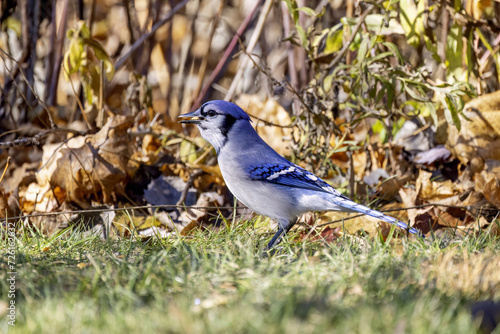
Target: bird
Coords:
[[262, 179]]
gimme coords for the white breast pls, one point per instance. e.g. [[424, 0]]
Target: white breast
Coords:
[[264, 198]]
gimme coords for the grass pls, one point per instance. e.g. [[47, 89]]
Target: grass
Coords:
[[219, 282]]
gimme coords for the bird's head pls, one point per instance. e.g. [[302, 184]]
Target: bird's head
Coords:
[[215, 119]]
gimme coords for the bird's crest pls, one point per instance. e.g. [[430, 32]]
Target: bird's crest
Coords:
[[226, 108]]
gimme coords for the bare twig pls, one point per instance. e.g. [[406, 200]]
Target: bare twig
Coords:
[[203, 67], [187, 43], [100, 107], [149, 34], [445, 18], [52, 124], [284, 84], [58, 55], [294, 81], [92, 15], [270, 123], [347, 45], [188, 185], [5, 169], [34, 25], [73, 212], [78, 101], [35, 140], [251, 45], [127, 5], [50, 58], [216, 72], [352, 183], [301, 53]]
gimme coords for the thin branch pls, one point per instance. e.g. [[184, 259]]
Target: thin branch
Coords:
[[216, 72], [251, 45], [294, 81], [5, 169], [58, 55], [203, 67], [149, 34], [188, 185], [52, 124], [73, 212], [35, 140], [284, 84], [347, 45], [270, 123], [126, 4]]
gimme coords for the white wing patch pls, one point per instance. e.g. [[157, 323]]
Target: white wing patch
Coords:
[[277, 174], [312, 177]]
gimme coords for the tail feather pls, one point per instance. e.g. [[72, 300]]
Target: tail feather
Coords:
[[353, 206]]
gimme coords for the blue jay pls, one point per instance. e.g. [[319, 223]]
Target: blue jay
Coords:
[[262, 179]]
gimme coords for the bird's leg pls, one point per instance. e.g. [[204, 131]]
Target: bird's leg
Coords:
[[283, 227]]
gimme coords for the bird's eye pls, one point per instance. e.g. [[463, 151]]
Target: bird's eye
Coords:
[[210, 113]]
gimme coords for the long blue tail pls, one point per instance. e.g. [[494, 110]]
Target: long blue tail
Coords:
[[353, 206]]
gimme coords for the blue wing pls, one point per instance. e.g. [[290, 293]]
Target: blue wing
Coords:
[[291, 176], [294, 176]]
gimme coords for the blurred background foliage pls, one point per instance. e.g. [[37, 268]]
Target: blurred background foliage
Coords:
[[322, 60]]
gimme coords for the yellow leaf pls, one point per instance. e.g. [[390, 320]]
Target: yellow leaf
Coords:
[[412, 21], [187, 151], [477, 8], [14, 25]]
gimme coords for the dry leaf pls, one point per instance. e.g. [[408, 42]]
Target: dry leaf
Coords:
[[438, 153], [19, 175], [448, 219], [167, 190], [193, 218], [433, 190], [52, 224], [480, 134], [39, 198], [89, 165], [9, 204], [271, 111], [359, 160], [489, 185], [351, 226], [418, 218]]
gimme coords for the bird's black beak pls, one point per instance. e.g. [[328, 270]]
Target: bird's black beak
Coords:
[[191, 118]]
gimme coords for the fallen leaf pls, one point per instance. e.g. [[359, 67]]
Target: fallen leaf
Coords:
[[480, 132], [448, 219], [167, 190], [278, 137], [438, 153], [376, 176], [9, 204], [192, 218], [39, 198], [489, 185], [86, 166], [430, 190], [420, 218]]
